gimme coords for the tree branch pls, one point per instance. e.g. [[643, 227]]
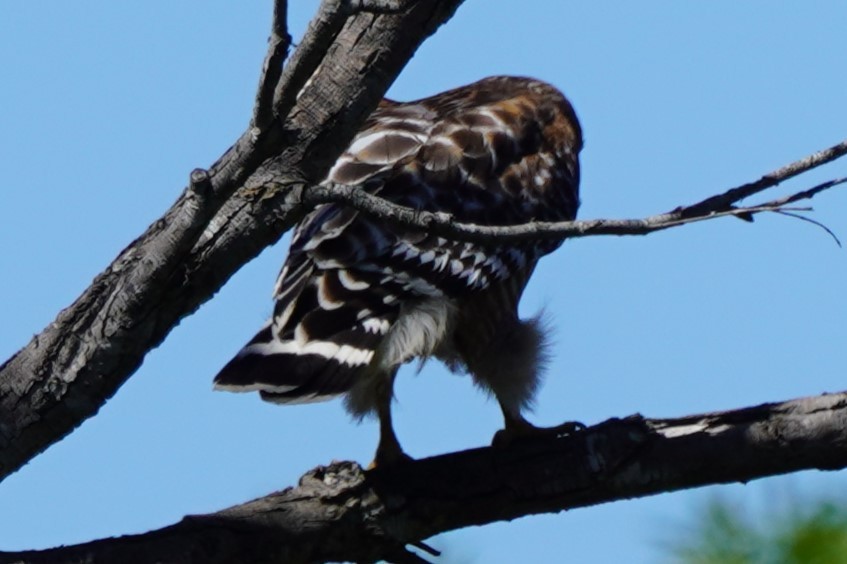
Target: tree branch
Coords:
[[720, 205], [69, 370], [333, 80], [278, 45], [341, 512], [305, 113]]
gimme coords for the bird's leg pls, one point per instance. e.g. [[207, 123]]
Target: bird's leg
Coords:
[[388, 451], [517, 428]]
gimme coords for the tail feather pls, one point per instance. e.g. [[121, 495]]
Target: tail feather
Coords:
[[287, 371], [250, 372], [318, 343], [330, 380]]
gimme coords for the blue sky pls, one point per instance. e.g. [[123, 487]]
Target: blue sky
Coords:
[[106, 107]]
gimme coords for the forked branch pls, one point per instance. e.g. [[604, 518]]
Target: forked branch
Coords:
[[305, 113]]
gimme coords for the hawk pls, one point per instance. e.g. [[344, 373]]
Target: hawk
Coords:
[[358, 297]]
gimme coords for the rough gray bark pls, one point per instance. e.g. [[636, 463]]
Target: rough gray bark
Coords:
[[335, 78], [341, 512]]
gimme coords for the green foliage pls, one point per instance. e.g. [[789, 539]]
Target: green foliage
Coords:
[[805, 533]]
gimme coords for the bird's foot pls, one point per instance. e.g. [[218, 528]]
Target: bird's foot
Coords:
[[525, 431], [389, 456]]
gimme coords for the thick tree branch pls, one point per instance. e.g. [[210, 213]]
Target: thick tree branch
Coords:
[[341, 512], [66, 372]]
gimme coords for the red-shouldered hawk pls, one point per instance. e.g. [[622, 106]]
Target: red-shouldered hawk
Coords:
[[357, 297]]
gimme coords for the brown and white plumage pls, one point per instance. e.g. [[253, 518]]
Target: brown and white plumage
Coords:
[[357, 297]]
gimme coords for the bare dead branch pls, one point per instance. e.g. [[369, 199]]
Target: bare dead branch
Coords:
[[770, 180], [807, 194], [322, 29], [721, 205], [278, 45], [340, 512], [69, 370]]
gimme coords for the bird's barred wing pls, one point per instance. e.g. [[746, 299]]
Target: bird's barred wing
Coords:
[[347, 276], [332, 307]]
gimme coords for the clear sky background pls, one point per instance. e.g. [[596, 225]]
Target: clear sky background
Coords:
[[106, 107]]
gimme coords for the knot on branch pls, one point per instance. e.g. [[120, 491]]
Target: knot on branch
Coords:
[[200, 182]]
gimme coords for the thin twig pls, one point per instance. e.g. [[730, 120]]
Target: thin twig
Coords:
[[721, 205], [721, 201], [278, 45], [810, 193], [813, 222], [426, 548]]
